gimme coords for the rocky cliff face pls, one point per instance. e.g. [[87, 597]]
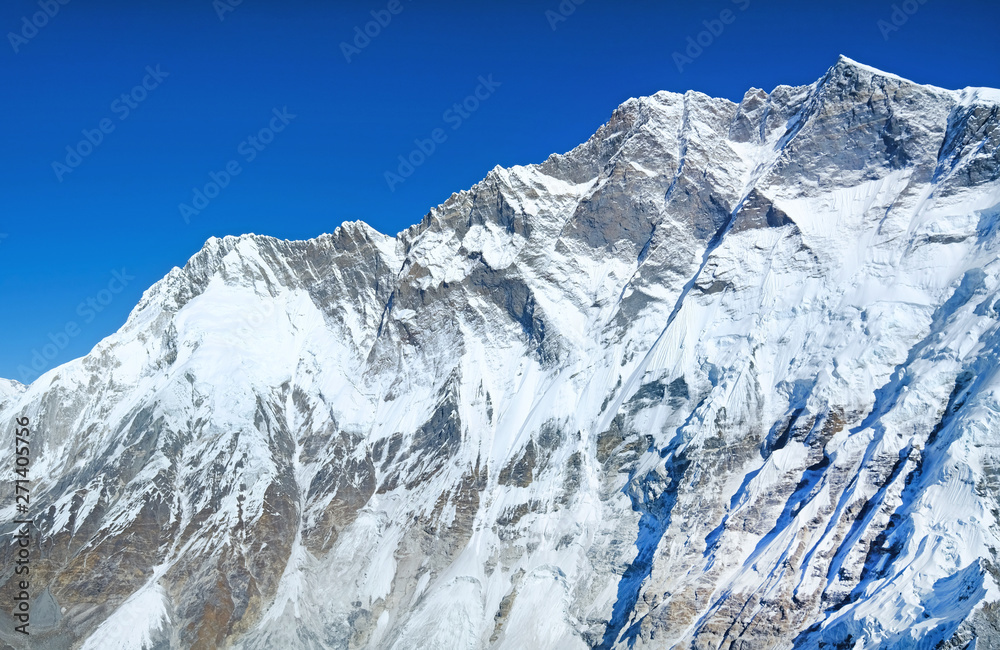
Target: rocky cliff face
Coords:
[[724, 376]]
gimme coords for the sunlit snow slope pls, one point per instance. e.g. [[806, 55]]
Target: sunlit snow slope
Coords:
[[724, 376]]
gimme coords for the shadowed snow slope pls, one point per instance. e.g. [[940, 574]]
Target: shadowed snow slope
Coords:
[[724, 376]]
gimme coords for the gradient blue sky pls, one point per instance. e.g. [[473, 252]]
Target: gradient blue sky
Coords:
[[61, 240]]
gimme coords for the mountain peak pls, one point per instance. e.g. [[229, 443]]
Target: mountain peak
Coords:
[[844, 62]]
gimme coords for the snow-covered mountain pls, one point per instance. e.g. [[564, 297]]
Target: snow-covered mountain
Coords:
[[724, 376]]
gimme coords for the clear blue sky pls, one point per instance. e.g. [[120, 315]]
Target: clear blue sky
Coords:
[[66, 229]]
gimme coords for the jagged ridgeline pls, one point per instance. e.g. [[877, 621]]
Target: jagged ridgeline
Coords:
[[723, 376]]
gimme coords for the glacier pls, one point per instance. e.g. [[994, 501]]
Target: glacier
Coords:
[[723, 376]]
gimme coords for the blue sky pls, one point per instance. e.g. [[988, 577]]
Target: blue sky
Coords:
[[91, 181]]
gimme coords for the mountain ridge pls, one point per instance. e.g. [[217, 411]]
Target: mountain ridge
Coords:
[[968, 94]]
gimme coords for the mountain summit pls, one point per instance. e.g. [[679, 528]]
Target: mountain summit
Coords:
[[723, 376]]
